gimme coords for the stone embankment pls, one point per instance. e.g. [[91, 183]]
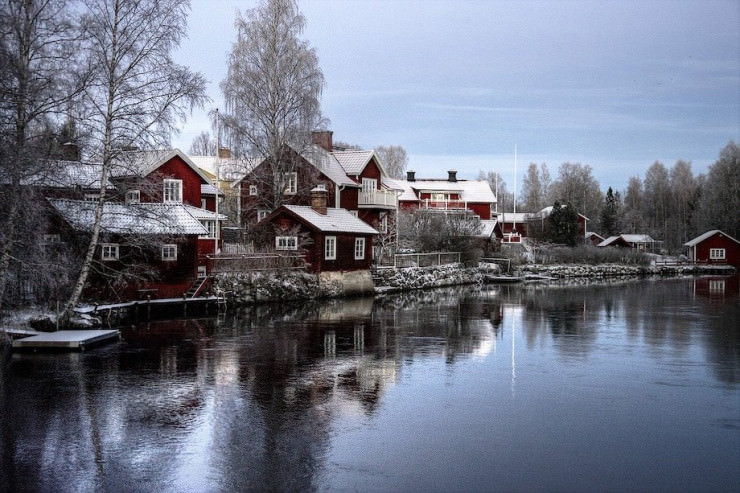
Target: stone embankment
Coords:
[[390, 280], [599, 271]]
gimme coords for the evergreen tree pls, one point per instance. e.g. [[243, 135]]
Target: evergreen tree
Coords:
[[610, 213], [563, 223]]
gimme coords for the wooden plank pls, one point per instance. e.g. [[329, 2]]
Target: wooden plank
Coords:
[[66, 339]]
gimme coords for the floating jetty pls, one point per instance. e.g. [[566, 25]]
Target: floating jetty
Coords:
[[66, 339]]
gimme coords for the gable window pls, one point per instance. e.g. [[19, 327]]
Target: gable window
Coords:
[[716, 253], [172, 191], [330, 248], [133, 196], [109, 251], [52, 238], [169, 252], [291, 183], [252, 189], [359, 248], [211, 227], [286, 243], [261, 214]]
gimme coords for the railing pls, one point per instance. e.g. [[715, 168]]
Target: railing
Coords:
[[377, 198], [402, 260], [232, 264], [444, 205]]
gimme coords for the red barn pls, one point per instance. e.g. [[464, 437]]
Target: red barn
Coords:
[[714, 247]]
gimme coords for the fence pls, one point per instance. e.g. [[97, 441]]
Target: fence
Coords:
[[225, 263], [402, 260]]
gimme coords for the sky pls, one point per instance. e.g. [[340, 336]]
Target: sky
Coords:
[[494, 85]]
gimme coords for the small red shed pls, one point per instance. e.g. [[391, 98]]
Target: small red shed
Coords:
[[714, 247]]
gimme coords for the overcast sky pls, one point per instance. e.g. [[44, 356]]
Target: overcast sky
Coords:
[[614, 84]]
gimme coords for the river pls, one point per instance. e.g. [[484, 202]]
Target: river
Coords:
[[627, 386]]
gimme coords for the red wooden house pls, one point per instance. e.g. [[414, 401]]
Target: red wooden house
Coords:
[[714, 247], [448, 195], [354, 180], [332, 239]]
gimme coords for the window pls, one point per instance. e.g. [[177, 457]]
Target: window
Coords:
[[52, 238], [252, 189], [172, 191], [92, 197], [384, 223], [133, 196], [203, 203], [261, 214], [169, 252], [716, 253], [359, 248], [211, 227], [330, 248], [291, 180], [369, 184], [109, 251], [286, 243]]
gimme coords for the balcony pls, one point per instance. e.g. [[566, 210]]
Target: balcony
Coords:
[[443, 205], [377, 199]]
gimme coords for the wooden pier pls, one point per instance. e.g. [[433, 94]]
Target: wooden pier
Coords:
[[66, 339]]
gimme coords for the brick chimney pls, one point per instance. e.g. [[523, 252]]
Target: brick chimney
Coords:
[[452, 175], [323, 139], [319, 199], [224, 152], [410, 176]]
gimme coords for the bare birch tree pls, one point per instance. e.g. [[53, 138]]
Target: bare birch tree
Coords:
[[272, 90], [394, 159], [138, 93], [37, 81]]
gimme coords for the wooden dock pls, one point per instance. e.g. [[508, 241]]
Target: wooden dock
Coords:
[[66, 339]]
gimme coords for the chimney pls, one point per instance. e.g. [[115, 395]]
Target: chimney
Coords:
[[323, 139], [319, 199], [70, 151], [452, 175], [410, 176], [224, 153]]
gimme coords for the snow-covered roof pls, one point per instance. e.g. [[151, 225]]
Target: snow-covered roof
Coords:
[[407, 193], [142, 163], [329, 165], [353, 161], [478, 191], [204, 214], [67, 174], [510, 217], [487, 227], [708, 234], [229, 169], [632, 239], [148, 218], [334, 221], [208, 189]]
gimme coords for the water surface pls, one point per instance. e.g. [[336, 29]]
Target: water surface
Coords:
[[628, 386]]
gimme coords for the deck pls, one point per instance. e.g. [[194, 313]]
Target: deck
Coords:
[[66, 339]]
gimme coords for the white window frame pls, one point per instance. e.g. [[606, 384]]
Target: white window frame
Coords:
[[52, 238], [109, 251], [133, 196], [169, 252], [253, 190], [172, 191], [261, 214], [717, 254], [210, 225], [291, 183], [286, 243], [330, 248], [359, 248]]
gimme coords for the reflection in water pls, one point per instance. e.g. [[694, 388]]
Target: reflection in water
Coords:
[[350, 394]]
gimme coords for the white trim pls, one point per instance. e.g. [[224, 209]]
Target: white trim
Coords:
[[169, 252], [172, 191], [286, 243], [330, 248], [359, 248], [109, 251], [717, 254]]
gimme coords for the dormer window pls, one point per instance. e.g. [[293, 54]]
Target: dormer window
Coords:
[[291, 183], [133, 196], [172, 191]]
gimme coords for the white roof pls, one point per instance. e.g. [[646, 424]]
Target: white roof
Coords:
[[478, 191], [204, 214], [329, 165], [65, 174], [354, 160], [629, 238], [141, 163], [706, 235], [335, 220], [487, 227], [148, 218], [229, 169], [510, 217]]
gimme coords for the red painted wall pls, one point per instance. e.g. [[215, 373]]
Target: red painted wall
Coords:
[[718, 240]]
